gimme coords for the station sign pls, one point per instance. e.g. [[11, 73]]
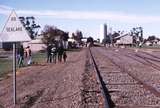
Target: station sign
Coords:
[[14, 31]]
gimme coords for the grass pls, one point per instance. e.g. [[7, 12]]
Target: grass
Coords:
[[6, 64], [39, 57], [74, 50]]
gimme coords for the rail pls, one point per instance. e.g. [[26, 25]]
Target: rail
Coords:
[[107, 98]]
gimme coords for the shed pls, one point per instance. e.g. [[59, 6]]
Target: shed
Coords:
[[125, 39]]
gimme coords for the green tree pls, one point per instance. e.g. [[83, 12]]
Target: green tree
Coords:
[[90, 40], [77, 36], [51, 33], [30, 25]]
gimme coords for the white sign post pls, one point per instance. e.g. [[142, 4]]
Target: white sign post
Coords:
[[14, 74], [14, 31]]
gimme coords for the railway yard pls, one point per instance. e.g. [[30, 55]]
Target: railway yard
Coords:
[[98, 77], [132, 77]]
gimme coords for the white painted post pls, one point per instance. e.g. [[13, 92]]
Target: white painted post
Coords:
[[14, 73]]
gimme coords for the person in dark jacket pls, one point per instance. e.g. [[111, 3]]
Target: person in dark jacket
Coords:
[[20, 56], [49, 53], [60, 53], [64, 56]]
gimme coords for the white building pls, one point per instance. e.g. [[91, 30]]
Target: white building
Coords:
[[103, 32], [125, 39], [36, 44], [0, 42]]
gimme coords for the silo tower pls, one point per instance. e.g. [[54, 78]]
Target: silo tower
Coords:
[[103, 32]]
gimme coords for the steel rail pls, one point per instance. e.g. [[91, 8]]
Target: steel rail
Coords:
[[107, 98], [145, 85]]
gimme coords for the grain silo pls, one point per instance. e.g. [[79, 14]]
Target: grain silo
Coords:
[[103, 32]]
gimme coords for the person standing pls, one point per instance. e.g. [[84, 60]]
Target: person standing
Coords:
[[64, 56], [20, 56], [28, 53], [60, 53], [54, 53], [49, 53]]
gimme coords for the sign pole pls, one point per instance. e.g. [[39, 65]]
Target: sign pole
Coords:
[[14, 31], [14, 73]]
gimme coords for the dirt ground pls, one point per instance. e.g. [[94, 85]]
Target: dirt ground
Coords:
[[74, 84], [47, 85]]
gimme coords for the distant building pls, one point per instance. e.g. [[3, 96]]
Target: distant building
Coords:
[[35, 44], [0, 44], [125, 39], [71, 40], [5, 45], [103, 32], [148, 43], [152, 42]]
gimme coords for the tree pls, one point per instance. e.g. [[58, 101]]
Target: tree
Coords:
[[77, 36], [137, 33], [151, 38], [51, 33], [90, 40], [65, 36], [30, 25], [48, 34], [114, 35]]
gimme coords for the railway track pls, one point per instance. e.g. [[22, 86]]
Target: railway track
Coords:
[[148, 59], [154, 56], [126, 89], [144, 60], [108, 103]]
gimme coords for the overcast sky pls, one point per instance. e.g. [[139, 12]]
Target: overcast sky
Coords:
[[88, 15]]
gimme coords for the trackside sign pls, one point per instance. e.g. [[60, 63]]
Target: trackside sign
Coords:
[[13, 30]]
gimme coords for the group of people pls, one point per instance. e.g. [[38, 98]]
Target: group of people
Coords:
[[54, 53], [24, 54]]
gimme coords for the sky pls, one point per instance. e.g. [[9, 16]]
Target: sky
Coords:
[[88, 15]]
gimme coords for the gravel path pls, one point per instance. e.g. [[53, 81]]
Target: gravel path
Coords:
[[91, 94]]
